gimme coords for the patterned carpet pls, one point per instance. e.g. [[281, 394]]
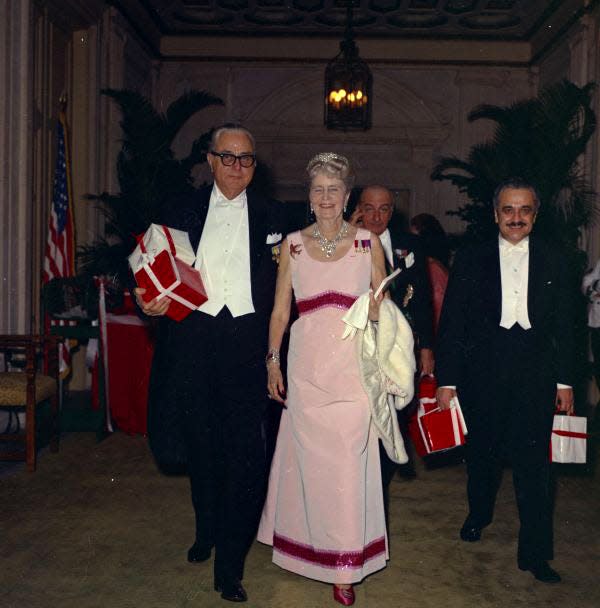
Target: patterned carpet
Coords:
[[98, 526]]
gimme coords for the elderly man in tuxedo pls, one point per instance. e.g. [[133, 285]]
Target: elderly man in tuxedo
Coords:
[[410, 291], [212, 364], [505, 347]]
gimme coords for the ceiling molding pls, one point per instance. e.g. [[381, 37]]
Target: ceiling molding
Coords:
[[511, 46], [321, 50], [73, 14], [449, 19], [553, 30], [142, 23]]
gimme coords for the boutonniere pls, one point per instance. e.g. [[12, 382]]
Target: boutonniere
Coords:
[[273, 238], [295, 250], [362, 245], [408, 257], [276, 252]]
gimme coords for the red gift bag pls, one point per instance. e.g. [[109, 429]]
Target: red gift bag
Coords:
[[568, 439], [426, 395], [163, 274], [442, 429]]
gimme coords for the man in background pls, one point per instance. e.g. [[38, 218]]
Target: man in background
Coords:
[[410, 292]]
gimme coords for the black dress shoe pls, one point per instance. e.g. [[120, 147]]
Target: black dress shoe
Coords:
[[231, 590], [470, 534], [198, 553], [542, 572]]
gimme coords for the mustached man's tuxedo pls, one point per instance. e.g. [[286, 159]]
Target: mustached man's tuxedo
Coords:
[[210, 371], [507, 379]]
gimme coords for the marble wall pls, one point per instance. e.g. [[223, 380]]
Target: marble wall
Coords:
[[419, 114], [49, 48], [16, 167]]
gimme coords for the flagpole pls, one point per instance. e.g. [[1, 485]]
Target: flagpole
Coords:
[[62, 117], [59, 254]]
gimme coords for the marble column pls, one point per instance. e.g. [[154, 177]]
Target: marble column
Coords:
[[16, 82]]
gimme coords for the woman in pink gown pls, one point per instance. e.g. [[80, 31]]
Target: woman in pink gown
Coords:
[[324, 511]]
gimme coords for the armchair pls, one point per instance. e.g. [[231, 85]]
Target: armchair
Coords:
[[25, 390]]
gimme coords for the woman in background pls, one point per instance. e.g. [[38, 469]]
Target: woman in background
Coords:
[[437, 252]]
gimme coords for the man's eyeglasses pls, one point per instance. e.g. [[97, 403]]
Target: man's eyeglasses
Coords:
[[246, 160]]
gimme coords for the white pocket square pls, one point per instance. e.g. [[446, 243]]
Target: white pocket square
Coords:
[[273, 238]]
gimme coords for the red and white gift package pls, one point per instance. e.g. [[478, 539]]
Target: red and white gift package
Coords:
[[568, 439], [162, 265], [434, 429]]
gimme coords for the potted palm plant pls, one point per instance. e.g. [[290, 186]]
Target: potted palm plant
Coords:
[[541, 140], [149, 174]]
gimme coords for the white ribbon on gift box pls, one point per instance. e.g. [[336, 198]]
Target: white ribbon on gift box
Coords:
[[143, 257], [166, 291], [458, 422], [158, 237]]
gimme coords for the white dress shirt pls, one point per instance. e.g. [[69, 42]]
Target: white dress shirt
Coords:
[[386, 242], [514, 273], [223, 256]]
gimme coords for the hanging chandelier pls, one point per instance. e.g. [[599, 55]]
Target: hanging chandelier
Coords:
[[348, 86]]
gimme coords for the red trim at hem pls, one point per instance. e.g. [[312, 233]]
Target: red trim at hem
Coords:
[[326, 558]]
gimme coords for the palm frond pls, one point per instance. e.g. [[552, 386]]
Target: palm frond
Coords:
[[540, 140], [184, 107], [148, 175]]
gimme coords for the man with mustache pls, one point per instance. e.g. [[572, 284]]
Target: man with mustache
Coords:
[[505, 348]]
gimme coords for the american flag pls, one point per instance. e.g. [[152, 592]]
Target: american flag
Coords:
[[59, 257]]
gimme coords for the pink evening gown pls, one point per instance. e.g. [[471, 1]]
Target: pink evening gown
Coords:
[[324, 512]]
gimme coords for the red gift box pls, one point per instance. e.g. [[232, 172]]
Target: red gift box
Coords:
[[432, 429], [165, 275], [442, 429]]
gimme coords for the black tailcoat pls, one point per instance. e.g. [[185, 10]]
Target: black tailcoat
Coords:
[[208, 391], [418, 307], [411, 292], [506, 380]]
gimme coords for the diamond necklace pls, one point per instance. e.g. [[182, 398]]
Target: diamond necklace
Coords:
[[328, 246]]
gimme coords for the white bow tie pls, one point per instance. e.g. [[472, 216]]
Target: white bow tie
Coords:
[[519, 247], [237, 202]]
